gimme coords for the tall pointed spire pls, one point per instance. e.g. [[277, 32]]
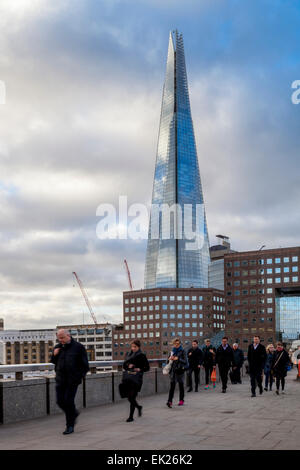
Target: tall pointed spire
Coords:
[[176, 181]]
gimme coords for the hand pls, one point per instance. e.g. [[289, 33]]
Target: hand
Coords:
[[175, 358], [199, 367], [214, 367], [130, 366], [56, 351], [190, 354], [137, 369]]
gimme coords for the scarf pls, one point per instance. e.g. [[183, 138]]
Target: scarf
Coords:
[[175, 351]]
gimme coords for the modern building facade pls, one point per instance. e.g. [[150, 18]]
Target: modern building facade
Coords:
[[26, 346], [170, 260], [262, 292], [157, 316], [216, 265]]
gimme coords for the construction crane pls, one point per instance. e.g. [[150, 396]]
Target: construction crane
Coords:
[[85, 298], [128, 274]]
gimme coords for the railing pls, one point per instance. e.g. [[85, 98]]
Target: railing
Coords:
[[19, 369]]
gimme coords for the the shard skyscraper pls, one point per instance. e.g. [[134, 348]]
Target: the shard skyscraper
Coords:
[[169, 261]]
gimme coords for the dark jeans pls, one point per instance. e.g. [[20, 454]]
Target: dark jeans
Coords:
[[256, 380], [196, 371], [132, 394], [268, 379], [172, 390], [278, 380], [65, 398], [208, 371], [236, 375], [224, 375]]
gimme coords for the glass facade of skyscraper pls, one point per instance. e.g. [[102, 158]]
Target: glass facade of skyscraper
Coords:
[[288, 317], [170, 261]]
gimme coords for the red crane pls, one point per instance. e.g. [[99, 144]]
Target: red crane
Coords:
[[85, 298], [128, 274]]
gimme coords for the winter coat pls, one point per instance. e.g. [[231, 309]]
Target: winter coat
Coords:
[[279, 365], [208, 356], [256, 358], [224, 357], [195, 358], [238, 357], [178, 367], [71, 363], [139, 361], [269, 361]]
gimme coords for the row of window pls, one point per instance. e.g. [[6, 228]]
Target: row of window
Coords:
[[285, 259], [164, 316], [164, 297]]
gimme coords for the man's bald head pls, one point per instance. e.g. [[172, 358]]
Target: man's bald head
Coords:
[[63, 336]]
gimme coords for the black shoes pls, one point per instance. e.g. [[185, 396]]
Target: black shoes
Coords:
[[128, 420], [190, 389], [265, 389], [253, 395], [140, 410], [261, 391], [224, 390], [68, 430], [277, 392], [196, 389]]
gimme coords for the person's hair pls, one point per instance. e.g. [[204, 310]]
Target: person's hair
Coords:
[[225, 337], [279, 343], [256, 336], [136, 342], [235, 344], [195, 341], [207, 339], [269, 347], [175, 340]]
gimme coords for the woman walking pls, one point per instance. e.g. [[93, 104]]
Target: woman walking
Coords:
[[268, 366], [134, 366], [179, 365], [279, 366]]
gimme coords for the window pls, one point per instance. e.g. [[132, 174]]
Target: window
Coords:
[[277, 260], [269, 261], [286, 259], [295, 278], [294, 259]]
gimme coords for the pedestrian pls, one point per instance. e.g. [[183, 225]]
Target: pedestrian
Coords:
[[209, 354], [71, 365], [238, 361], [179, 365], [195, 358], [257, 356], [268, 367], [134, 366], [280, 363], [224, 359]]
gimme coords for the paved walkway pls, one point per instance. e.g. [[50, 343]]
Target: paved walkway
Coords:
[[209, 420]]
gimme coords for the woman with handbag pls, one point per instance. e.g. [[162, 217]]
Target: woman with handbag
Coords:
[[179, 365], [134, 366], [280, 363]]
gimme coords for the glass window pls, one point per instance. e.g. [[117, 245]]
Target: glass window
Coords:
[[269, 261], [286, 259], [294, 259]]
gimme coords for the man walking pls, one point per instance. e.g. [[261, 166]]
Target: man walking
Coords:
[[238, 361], [224, 359], [209, 354], [195, 358], [257, 356], [71, 365]]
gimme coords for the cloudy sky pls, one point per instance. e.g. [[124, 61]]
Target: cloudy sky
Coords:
[[79, 128]]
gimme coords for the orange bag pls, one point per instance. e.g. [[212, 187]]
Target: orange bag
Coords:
[[213, 375]]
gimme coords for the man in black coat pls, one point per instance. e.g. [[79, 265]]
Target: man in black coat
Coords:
[[224, 359], [209, 354], [71, 365], [238, 361], [257, 356], [195, 358]]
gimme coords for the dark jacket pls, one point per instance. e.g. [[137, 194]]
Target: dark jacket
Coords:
[[269, 362], [139, 361], [280, 362], [208, 356], [179, 366], [71, 363], [238, 357], [224, 357], [256, 358], [195, 358]]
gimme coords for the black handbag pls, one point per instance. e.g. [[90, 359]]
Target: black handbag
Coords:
[[132, 376], [123, 390]]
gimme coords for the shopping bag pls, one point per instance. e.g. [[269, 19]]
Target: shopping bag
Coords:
[[213, 376], [167, 368]]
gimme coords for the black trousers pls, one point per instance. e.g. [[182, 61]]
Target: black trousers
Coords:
[[132, 394], [278, 380], [65, 398], [208, 371], [196, 371], [268, 379], [236, 375], [224, 375], [256, 380], [172, 390]]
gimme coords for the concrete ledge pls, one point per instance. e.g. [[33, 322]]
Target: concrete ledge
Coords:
[[22, 400], [98, 389]]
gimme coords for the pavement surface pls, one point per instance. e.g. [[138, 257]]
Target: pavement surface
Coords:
[[208, 420]]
